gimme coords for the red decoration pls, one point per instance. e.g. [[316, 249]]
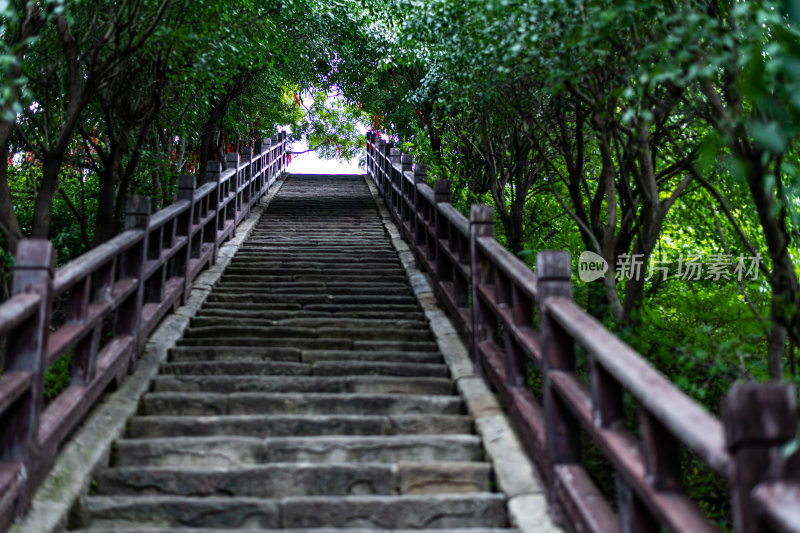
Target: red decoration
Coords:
[[296, 99], [421, 117]]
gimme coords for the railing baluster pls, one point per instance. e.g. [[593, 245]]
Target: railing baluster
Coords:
[[137, 217], [558, 354], [759, 419], [187, 185], [26, 351], [481, 224], [420, 178]]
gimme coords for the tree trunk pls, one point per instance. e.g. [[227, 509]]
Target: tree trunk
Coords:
[[109, 178], [44, 199], [776, 343], [9, 225]]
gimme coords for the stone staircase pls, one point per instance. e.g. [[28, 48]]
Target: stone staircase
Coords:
[[307, 395]]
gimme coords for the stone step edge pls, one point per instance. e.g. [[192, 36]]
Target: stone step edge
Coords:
[[280, 506], [89, 447], [304, 530], [515, 474]]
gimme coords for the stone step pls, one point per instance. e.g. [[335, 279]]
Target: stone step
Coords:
[[342, 384], [436, 511], [297, 425], [296, 276], [342, 308], [246, 403], [310, 332], [413, 315], [253, 353], [276, 480], [323, 368], [312, 343], [307, 299], [293, 530], [330, 285], [318, 323], [231, 451], [321, 291], [255, 262], [341, 255], [239, 353]]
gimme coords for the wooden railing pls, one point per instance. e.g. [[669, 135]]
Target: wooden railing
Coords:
[[112, 298], [520, 323]]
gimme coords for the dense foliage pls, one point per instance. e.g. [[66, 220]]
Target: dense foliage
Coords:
[[102, 100], [661, 136]]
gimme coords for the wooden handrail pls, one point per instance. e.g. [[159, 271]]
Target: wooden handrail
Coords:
[[516, 320], [115, 296]]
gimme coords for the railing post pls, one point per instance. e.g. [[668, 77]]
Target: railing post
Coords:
[[187, 184], [26, 351], [266, 144], [370, 158], [481, 224], [214, 175], [408, 195], [137, 218], [258, 160], [386, 163], [759, 419], [275, 140], [233, 162], [420, 177], [247, 193], [284, 143], [441, 191], [441, 195], [558, 354], [394, 175]]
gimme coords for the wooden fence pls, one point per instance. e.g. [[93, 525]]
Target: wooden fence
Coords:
[[113, 297], [520, 323]]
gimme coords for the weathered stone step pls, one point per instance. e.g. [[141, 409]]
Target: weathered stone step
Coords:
[[341, 308], [323, 368], [285, 403], [437, 511], [354, 332], [226, 312], [312, 298], [295, 276], [323, 253], [363, 384], [276, 480], [212, 353], [249, 258], [293, 530], [331, 283], [319, 323], [218, 452], [312, 344], [308, 241], [319, 290], [297, 425], [239, 353]]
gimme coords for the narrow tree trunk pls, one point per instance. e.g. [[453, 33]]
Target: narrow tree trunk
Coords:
[[9, 225], [44, 198], [776, 344]]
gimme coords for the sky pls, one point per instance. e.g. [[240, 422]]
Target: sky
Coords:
[[310, 163]]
